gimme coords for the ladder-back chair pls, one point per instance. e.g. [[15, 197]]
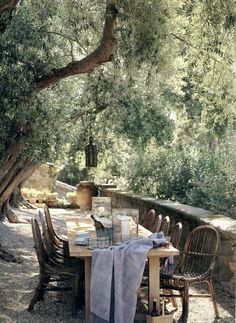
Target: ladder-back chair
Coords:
[[59, 241], [174, 239], [165, 224], [149, 219], [176, 234], [51, 271], [53, 250], [157, 223]]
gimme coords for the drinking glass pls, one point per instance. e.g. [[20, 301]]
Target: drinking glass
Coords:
[[167, 243]]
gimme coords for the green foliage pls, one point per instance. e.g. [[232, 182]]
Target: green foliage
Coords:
[[71, 194], [72, 173], [171, 58], [144, 27], [61, 203], [201, 178]]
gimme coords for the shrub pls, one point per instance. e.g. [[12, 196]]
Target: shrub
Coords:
[[202, 178]]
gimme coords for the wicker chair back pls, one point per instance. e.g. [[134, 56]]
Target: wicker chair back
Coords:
[[200, 251]]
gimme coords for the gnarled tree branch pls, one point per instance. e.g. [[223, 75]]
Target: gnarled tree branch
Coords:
[[99, 56], [7, 8], [7, 5]]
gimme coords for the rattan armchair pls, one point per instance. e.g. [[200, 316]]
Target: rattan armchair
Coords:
[[196, 265], [51, 271]]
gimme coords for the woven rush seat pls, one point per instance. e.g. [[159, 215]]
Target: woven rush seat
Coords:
[[176, 281]]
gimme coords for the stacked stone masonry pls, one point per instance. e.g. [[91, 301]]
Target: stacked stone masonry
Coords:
[[225, 269]]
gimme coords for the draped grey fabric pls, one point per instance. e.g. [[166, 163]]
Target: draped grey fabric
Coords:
[[119, 268]]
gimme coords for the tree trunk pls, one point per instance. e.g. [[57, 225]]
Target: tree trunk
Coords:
[[18, 173], [8, 213], [8, 5], [14, 169], [14, 177], [17, 199], [10, 158]]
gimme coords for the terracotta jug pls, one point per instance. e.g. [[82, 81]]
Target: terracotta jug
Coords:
[[84, 194]]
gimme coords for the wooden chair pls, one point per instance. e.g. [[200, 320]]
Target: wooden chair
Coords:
[[196, 265], [148, 219], [58, 241], [51, 271], [174, 239], [165, 224], [59, 252], [176, 234], [157, 223], [54, 251], [151, 221]]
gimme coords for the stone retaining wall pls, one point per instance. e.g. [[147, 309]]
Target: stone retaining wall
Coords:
[[190, 218]]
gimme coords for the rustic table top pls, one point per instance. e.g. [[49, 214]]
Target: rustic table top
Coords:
[[81, 224]]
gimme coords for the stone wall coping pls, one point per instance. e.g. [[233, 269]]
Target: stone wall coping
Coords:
[[66, 186], [225, 224]]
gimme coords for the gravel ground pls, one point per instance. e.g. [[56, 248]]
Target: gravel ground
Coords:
[[18, 280]]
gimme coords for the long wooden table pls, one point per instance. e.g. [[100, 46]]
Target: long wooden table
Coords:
[[80, 224]]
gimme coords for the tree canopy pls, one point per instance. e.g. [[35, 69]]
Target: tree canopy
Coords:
[[126, 65]]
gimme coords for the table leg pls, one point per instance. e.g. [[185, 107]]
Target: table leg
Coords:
[[87, 287], [154, 282]]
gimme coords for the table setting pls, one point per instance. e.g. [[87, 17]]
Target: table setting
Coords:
[[116, 243], [112, 228]]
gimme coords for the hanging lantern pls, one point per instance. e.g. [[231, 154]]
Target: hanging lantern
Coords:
[[91, 153]]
